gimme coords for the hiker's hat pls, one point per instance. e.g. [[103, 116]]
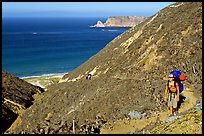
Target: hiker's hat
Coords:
[[171, 76]]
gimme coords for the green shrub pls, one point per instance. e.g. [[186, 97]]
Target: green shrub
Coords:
[[151, 50], [145, 59]]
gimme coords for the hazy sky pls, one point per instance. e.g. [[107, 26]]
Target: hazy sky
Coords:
[[80, 9]]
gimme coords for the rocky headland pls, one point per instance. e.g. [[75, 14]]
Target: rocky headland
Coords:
[[120, 21]]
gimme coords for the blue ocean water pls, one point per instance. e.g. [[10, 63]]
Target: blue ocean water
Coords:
[[41, 46]]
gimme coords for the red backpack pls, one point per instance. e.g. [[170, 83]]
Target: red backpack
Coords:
[[182, 77]]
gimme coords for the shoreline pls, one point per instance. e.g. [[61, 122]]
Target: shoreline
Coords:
[[44, 80], [56, 75]]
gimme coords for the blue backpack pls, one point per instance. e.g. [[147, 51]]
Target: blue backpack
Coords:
[[177, 73]]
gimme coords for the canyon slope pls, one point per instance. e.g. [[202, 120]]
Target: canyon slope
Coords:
[[17, 95], [120, 21], [128, 74]]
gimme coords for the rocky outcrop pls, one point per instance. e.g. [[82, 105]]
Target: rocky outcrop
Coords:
[[99, 24], [16, 97], [129, 74], [121, 21]]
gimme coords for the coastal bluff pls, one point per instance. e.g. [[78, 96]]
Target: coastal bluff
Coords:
[[120, 21]]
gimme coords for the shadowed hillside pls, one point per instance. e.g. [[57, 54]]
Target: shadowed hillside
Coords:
[[16, 97], [128, 74]]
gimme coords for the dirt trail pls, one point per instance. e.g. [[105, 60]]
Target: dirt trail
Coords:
[[127, 126]]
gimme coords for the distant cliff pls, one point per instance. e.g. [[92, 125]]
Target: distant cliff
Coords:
[[120, 21]]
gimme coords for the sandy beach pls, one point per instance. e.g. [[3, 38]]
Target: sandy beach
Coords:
[[44, 81]]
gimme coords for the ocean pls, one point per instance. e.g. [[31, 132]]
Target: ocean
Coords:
[[46, 46]]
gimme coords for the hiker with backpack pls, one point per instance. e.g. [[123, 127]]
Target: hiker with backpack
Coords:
[[88, 76], [172, 93], [174, 89], [179, 78]]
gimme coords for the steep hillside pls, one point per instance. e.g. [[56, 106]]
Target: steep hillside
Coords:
[[128, 74], [16, 97]]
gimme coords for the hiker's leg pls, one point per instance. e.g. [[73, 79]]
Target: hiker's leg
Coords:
[[175, 111], [179, 102], [175, 103], [171, 109], [168, 100], [169, 103], [182, 96]]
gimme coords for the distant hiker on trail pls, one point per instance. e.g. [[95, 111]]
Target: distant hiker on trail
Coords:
[[88, 76], [171, 94]]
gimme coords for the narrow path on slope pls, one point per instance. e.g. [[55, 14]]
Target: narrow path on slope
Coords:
[[127, 126]]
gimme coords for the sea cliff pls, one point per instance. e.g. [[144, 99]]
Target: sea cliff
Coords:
[[120, 21]]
